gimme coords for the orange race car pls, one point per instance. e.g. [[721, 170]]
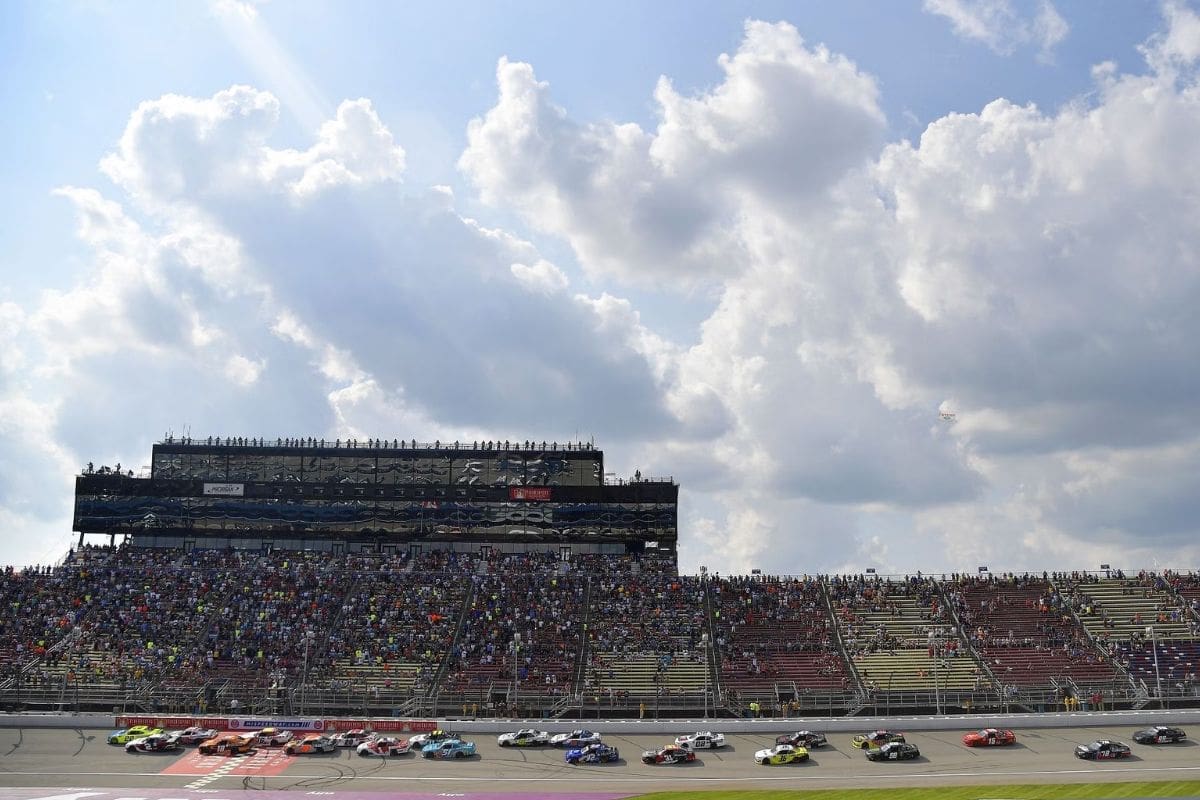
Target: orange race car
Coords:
[[229, 744]]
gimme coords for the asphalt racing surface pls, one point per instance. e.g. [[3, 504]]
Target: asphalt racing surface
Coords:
[[79, 765]]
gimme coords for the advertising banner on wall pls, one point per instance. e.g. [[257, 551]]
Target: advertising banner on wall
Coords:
[[529, 493], [225, 489]]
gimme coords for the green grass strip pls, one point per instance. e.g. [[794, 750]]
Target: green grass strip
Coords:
[[1094, 791]]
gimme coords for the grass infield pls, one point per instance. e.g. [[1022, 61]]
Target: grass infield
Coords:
[[1000, 792]]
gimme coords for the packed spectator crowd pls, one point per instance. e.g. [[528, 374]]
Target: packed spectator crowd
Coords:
[[455, 622]]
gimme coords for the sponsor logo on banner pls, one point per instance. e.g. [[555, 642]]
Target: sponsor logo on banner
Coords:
[[241, 724], [219, 723], [529, 493], [394, 725], [225, 489]]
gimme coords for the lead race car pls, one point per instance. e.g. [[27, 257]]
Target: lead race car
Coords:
[[781, 754], [701, 740], [386, 746], [893, 751], [671, 754], [1159, 734], [526, 737], [989, 737], [154, 743], [594, 753]]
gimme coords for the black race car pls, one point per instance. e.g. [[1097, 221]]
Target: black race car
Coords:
[[893, 751], [1159, 734], [1102, 750], [805, 739]]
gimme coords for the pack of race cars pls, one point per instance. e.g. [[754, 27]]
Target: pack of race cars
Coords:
[[581, 746]]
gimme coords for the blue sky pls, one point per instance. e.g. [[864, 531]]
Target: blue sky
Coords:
[[757, 246]]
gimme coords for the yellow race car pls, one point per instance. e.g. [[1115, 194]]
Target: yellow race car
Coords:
[[127, 735], [781, 754]]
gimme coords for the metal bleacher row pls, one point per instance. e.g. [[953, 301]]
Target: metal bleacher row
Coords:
[[219, 628]]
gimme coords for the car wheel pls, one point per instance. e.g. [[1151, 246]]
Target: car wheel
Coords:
[[459, 754]]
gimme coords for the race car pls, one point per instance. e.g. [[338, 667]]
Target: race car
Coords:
[[229, 744], [421, 739], [448, 748], [701, 740], [806, 739], [126, 735], [195, 735], [989, 736], [577, 738], [385, 746], [1159, 734], [352, 738], [594, 753], [893, 751], [314, 743], [781, 754], [1102, 750], [876, 739], [526, 737], [273, 737], [154, 743], [671, 754]]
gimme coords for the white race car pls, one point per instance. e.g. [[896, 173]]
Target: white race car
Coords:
[[195, 735], [384, 746], [701, 740], [353, 737], [273, 737], [526, 737], [421, 739]]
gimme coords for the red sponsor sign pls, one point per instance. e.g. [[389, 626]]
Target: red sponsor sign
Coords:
[[402, 725], [529, 493], [220, 723]]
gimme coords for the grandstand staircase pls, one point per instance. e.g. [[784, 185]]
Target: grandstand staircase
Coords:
[[581, 657], [711, 658], [862, 697], [430, 695], [981, 663]]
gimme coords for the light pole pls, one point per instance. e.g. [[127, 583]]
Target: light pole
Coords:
[[704, 644], [1157, 675], [516, 670], [937, 694], [308, 637]]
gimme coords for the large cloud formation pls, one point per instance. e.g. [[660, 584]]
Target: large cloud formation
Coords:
[[971, 349]]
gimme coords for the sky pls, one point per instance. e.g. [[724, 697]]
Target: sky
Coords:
[[905, 286]]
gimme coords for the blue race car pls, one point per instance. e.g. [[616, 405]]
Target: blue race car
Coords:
[[592, 754], [448, 748]]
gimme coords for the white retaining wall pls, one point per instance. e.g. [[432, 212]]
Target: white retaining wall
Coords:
[[751, 726]]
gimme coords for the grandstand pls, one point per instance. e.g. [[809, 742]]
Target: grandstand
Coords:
[[385, 578]]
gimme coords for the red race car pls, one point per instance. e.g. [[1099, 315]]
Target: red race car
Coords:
[[989, 736], [671, 754]]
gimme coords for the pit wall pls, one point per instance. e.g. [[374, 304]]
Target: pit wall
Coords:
[[629, 727]]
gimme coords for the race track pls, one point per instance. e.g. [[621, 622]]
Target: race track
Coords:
[[38, 758]]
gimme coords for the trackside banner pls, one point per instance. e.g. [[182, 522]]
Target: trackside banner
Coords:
[[252, 724], [383, 725], [218, 723]]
